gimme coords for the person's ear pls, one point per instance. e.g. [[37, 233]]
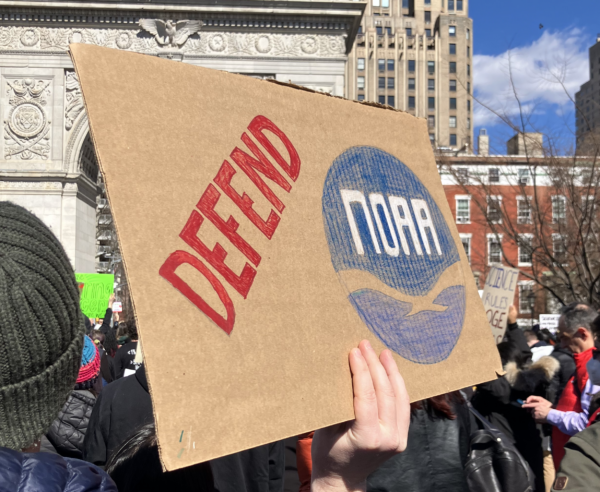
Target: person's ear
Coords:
[[583, 333]]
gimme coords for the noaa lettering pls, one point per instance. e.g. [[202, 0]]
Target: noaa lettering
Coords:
[[394, 254], [423, 217]]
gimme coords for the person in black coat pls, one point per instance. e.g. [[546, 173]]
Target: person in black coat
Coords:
[[67, 432], [500, 401], [437, 451]]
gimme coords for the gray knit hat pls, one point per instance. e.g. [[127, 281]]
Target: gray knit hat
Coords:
[[41, 327]]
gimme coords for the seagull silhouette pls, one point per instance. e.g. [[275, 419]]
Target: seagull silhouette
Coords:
[[541, 26]]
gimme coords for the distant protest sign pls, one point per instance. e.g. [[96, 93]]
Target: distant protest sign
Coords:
[[498, 295], [549, 322], [97, 288], [290, 226]]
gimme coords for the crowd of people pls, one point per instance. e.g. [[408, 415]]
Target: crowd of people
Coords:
[[76, 412]]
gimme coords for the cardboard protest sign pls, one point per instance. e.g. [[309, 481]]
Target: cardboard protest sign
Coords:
[[290, 226], [549, 322], [97, 288], [498, 295]]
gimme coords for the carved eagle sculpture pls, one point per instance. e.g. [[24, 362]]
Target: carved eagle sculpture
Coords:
[[171, 33]]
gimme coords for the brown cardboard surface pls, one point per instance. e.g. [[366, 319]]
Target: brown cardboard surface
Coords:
[[162, 131]]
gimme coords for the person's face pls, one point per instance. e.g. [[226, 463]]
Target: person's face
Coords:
[[577, 342]]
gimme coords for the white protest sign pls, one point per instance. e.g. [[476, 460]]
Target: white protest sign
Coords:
[[549, 321], [498, 295], [117, 307]]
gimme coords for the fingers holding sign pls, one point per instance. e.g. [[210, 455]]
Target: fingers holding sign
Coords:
[[345, 454]]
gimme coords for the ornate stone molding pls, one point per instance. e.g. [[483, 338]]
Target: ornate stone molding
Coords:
[[73, 99], [50, 39], [30, 185], [27, 126]]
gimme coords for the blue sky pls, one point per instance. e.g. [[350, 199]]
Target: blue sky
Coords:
[[508, 32]]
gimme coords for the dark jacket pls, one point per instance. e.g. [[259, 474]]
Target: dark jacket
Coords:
[[498, 402], [434, 458], [38, 472], [121, 409], [580, 468], [562, 376], [67, 432], [124, 359]]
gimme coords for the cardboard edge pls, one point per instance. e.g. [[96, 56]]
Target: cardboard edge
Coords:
[[132, 298]]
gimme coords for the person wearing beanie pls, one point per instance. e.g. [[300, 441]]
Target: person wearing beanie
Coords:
[[41, 343], [68, 430]]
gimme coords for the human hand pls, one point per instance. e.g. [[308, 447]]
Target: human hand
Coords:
[[111, 300], [343, 455], [540, 407], [512, 314]]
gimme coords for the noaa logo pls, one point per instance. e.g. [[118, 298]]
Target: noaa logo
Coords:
[[394, 254]]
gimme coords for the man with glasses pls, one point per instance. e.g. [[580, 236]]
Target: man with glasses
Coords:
[[571, 413]]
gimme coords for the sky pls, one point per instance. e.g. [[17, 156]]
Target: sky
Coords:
[[548, 65]]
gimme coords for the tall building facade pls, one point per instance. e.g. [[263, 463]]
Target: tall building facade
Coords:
[[416, 55], [587, 100]]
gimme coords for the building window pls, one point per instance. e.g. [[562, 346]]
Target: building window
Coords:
[[450, 4], [431, 67], [452, 31], [469, 105], [381, 99], [559, 209], [463, 209], [428, 33], [431, 121], [453, 139], [381, 65], [431, 84], [494, 249], [404, 4], [388, 31], [465, 239], [452, 66], [452, 121], [526, 298], [427, 2], [452, 103], [390, 83], [468, 70], [411, 102], [360, 29], [391, 101], [558, 249], [468, 33], [361, 64], [468, 52], [523, 210], [431, 102], [390, 65], [493, 175], [386, 4], [379, 30], [468, 123], [409, 31], [523, 175], [381, 81], [494, 209], [375, 3], [525, 244], [432, 138], [411, 84], [459, 4], [468, 87], [427, 17], [453, 86], [361, 97], [462, 175], [411, 65], [452, 48], [360, 81]]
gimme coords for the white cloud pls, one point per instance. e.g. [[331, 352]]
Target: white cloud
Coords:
[[542, 75]]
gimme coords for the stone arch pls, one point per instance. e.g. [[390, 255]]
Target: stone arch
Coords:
[[80, 156]]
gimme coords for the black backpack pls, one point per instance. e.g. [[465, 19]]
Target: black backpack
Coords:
[[494, 464]]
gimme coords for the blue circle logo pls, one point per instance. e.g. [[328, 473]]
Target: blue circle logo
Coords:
[[394, 254]]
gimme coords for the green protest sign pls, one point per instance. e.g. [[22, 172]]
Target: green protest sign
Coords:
[[97, 288]]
